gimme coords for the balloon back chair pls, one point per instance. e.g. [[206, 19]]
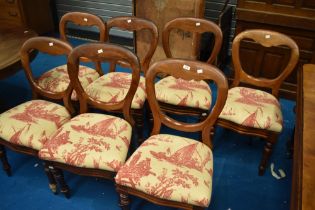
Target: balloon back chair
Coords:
[[57, 78], [26, 127], [168, 169], [187, 97], [93, 144], [120, 81], [251, 111]]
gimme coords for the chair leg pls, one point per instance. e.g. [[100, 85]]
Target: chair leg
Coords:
[[266, 155], [51, 178], [139, 120], [124, 202], [58, 174], [5, 164]]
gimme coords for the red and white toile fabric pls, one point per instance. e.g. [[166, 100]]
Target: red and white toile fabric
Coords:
[[90, 141], [32, 123], [114, 86], [172, 168], [57, 79], [196, 94], [253, 108]]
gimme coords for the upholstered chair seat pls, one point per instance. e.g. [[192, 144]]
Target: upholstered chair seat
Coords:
[[196, 94], [252, 111], [93, 144], [113, 87], [169, 169], [90, 141], [253, 108], [32, 123], [57, 79], [172, 168], [117, 92]]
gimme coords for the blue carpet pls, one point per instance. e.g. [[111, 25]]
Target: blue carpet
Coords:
[[236, 184]]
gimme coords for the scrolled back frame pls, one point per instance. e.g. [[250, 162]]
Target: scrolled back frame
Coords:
[[175, 68], [100, 52]]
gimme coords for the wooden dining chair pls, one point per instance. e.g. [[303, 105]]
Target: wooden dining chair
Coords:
[[251, 111], [114, 85], [187, 97], [57, 79], [167, 169], [93, 144], [26, 127]]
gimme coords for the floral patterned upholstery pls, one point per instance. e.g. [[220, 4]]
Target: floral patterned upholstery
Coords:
[[181, 92], [90, 141], [57, 79], [172, 168], [253, 108], [31, 124], [113, 87]]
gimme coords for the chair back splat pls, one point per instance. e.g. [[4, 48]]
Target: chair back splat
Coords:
[[267, 39], [82, 19], [49, 46], [194, 25], [86, 20], [186, 70], [131, 23], [99, 52], [250, 110]]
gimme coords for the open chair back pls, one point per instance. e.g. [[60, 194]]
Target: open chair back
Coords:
[[49, 46], [267, 39], [194, 25], [186, 70], [131, 23], [99, 52], [82, 19]]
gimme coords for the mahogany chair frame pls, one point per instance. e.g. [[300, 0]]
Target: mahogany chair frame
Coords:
[[194, 25], [50, 46], [86, 20], [97, 52], [267, 39], [175, 67], [131, 23]]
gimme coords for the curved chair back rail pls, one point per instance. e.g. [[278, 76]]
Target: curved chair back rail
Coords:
[[99, 52], [82, 19], [49, 46], [131, 23], [267, 39], [197, 71], [195, 25]]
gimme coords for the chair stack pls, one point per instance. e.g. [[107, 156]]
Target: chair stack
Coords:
[[98, 129]]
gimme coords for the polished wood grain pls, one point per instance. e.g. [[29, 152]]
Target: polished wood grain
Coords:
[[84, 19], [97, 52], [49, 46], [135, 24], [175, 67], [196, 26], [33, 15], [184, 44], [11, 40], [267, 39], [293, 18], [303, 181]]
